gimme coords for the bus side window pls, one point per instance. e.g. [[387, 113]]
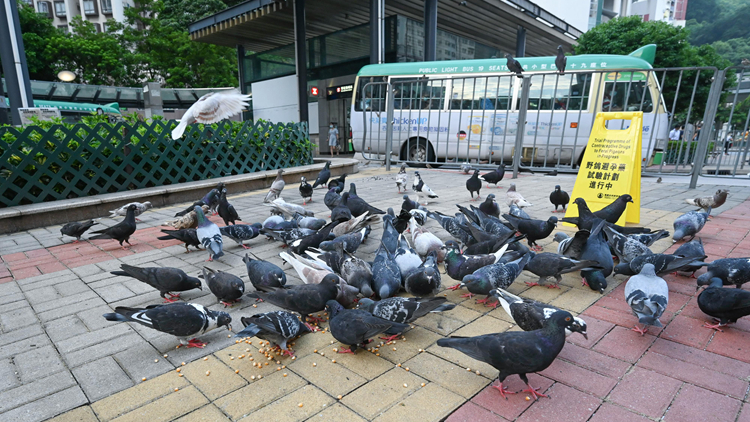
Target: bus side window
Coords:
[[559, 92], [410, 94], [481, 93], [638, 99], [370, 98]]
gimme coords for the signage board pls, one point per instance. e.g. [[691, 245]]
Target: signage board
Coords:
[[41, 113]]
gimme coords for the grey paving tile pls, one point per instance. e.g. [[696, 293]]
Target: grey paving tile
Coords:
[[100, 350], [101, 378], [143, 360], [8, 375], [38, 363], [37, 389], [48, 406], [65, 327], [69, 310], [24, 345], [114, 292], [18, 318]]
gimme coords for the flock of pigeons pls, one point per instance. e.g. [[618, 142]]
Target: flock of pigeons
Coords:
[[486, 254]]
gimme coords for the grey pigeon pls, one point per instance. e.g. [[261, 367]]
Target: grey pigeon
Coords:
[[560, 60], [533, 229], [358, 273], [493, 276], [424, 281], [624, 247], [120, 231], [354, 327], [648, 295], [140, 208], [276, 187], [547, 264], [190, 208], [305, 191], [490, 207], [355, 224], [278, 327], [730, 270], [282, 207], [423, 190], [304, 299], [513, 65], [182, 320], [515, 352], [351, 241], [310, 223], [689, 224], [693, 248], [341, 212], [709, 202], [358, 206], [164, 279], [186, 236], [263, 274], [663, 263], [211, 199], [466, 168], [726, 305], [559, 198], [457, 265], [386, 276], [649, 239], [241, 232], [404, 310], [228, 288], [332, 198], [209, 235], [516, 211], [323, 176], [452, 226], [340, 182], [390, 234], [76, 229], [530, 315]]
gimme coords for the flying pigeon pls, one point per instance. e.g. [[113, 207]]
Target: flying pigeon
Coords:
[[228, 288], [278, 327], [182, 320], [515, 197], [164, 279], [689, 224], [710, 202], [625, 248], [353, 327], [263, 274], [530, 315], [533, 229], [276, 187], [726, 305], [209, 235], [241, 232], [423, 190], [323, 176], [186, 236], [663, 263], [304, 299], [401, 178], [490, 207], [305, 191], [123, 210], [517, 352], [120, 231], [226, 210], [647, 294], [560, 198], [500, 275], [211, 108], [474, 185], [730, 270], [76, 229], [547, 264], [513, 65], [560, 61], [424, 281]]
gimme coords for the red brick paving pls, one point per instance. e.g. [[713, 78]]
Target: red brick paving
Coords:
[[490, 398], [612, 413], [646, 392], [564, 404], [470, 412], [625, 344], [696, 404]]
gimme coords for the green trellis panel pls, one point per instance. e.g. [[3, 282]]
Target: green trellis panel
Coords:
[[71, 161]]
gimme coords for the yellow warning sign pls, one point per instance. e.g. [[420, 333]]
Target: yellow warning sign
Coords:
[[611, 166]]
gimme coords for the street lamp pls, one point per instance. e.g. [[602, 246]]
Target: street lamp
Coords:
[[66, 76]]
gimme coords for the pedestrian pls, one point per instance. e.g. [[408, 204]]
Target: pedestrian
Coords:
[[674, 134], [728, 143], [333, 138]]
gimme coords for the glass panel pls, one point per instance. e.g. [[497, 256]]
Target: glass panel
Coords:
[[107, 6], [571, 96], [43, 7], [612, 100], [89, 7], [418, 95], [484, 93], [60, 8], [449, 46], [87, 92], [370, 98]]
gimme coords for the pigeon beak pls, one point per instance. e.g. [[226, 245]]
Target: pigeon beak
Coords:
[[585, 335], [229, 327]]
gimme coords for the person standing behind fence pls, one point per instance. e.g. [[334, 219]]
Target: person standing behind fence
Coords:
[[333, 138], [728, 143], [674, 134]]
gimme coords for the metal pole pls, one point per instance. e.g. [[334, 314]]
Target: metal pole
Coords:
[[712, 105], [390, 103], [430, 30], [13, 56], [524, 104], [521, 41], [301, 58], [377, 8]]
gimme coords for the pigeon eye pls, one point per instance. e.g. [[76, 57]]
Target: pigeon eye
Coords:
[[567, 319]]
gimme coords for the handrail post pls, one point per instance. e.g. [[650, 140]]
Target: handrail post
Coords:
[[390, 103], [524, 105], [709, 115]]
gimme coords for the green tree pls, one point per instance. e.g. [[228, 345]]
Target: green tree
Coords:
[[37, 32], [180, 13]]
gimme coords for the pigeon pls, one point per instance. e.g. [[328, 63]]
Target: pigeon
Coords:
[[406, 257], [730, 270], [305, 191], [596, 249], [186, 236], [726, 305], [310, 223], [533, 229], [414, 182], [351, 241], [530, 315], [689, 224], [547, 264], [401, 178], [314, 240], [612, 212], [474, 185], [663, 263], [425, 242], [466, 168], [424, 281], [209, 235], [276, 187], [278, 327], [123, 210], [76, 229], [120, 231], [357, 273], [228, 288], [182, 320], [390, 233], [457, 266], [340, 182], [323, 176], [332, 198], [212, 198], [513, 65], [551, 173], [658, 180], [649, 239], [353, 327], [409, 204], [354, 224], [289, 209], [560, 60], [333, 259], [226, 210], [625, 248], [515, 197], [710, 202], [386, 275], [342, 212], [308, 271], [423, 190], [211, 108], [192, 207], [164, 279], [404, 310], [647, 294], [358, 206], [287, 236], [452, 226], [516, 211], [494, 177], [517, 352], [241, 232], [187, 221], [559, 197], [500, 275], [587, 220], [303, 299], [263, 274], [277, 222], [490, 207], [693, 248]]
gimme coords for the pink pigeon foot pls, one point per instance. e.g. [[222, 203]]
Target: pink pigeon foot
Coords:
[[456, 287], [534, 392], [349, 350], [390, 338], [469, 295], [714, 326], [532, 284], [502, 390], [196, 343], [642, 331]]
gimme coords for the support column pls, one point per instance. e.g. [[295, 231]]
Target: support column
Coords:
[[13, 57], [300, 58], [521, 41], [377, 31], [430, 30], [153, 104], [241, 67]]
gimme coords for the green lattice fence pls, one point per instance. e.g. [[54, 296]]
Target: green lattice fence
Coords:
[[69, 161]]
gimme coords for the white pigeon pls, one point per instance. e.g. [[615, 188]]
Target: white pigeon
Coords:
[[648, 295], [423, 189], [425, 242], [140, 208], [406, 258], [211, 108], [401, 178], [289, 209], [516, 197], [276, 187]]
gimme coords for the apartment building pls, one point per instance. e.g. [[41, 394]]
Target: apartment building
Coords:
[[95, 11]]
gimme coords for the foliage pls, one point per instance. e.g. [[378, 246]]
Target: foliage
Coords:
[[722, 24], [38, 32]]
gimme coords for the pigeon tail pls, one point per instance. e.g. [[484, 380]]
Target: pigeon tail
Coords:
[[444, 307], [115, 317], [650, 320], [119, 273], [249, 331], [180, 129]]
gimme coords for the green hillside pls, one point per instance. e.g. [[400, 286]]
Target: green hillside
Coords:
[[722, 24]]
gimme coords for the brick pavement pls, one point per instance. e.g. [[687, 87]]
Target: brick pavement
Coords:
[[58, 356]]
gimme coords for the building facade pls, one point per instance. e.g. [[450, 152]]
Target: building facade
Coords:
[[97, 12]]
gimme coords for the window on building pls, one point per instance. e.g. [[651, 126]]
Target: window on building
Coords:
[[28, 2], [89, 7], [98, 27], [60, 9], [44, 8], [418, 95], [481, 93], [107, 7]]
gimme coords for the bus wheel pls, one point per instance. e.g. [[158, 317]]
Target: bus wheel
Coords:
[[419, 151]]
